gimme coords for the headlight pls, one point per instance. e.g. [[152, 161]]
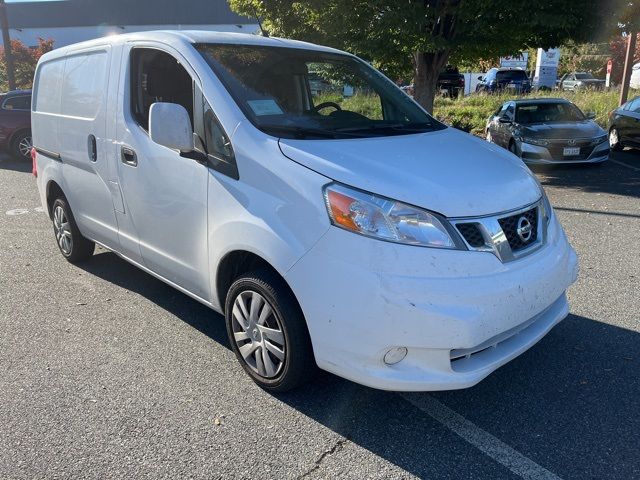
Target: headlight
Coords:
[[535, 141], [385, 219], [548, 209]]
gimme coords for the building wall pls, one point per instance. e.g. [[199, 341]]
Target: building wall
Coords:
[[68, 35]]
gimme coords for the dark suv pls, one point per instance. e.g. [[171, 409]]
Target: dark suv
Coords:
[[15, 123], [498, 79]]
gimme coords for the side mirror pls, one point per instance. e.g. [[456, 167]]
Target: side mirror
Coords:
[[170, 126], [590, 115]]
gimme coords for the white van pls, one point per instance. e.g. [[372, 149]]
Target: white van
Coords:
[[353, 233], [634, 81]]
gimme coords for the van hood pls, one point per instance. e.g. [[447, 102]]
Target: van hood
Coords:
[[447, 171]]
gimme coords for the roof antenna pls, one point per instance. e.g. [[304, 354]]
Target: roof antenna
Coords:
[[264, 32]]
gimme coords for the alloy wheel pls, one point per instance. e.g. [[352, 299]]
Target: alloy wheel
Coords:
[[25, 145], [62, 229], [258, 334]]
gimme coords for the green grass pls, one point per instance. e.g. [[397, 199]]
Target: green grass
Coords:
[[470, 113]]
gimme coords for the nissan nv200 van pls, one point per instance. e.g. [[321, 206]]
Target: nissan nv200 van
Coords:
[[337, 226]]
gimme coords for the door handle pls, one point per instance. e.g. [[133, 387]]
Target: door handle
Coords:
[[128, 156], [92, 148]]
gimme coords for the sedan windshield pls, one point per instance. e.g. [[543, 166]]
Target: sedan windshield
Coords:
[[297, 93], [548, 112]]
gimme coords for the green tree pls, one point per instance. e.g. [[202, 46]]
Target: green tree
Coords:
[[422, 36]]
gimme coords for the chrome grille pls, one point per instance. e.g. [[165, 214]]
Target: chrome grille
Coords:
[[556, 148], [509, 226], [498, 234], [471, 234]]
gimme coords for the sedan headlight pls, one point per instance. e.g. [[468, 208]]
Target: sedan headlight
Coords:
[[384, 218], [535, 141]]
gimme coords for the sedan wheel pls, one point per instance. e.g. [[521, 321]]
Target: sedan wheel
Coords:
[[21, 146]]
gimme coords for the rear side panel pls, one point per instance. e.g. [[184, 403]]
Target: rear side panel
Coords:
[[83, 144]]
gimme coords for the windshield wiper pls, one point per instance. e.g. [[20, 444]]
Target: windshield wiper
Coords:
[[304, 132]]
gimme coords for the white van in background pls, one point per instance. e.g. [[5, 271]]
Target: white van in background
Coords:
[[634, 82], [354, 233]]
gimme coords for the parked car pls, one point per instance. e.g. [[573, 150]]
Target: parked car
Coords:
[[501, 79], [547, 130], [380, 245], [451, 82], [624, 125], [15, 123], [580, 81]]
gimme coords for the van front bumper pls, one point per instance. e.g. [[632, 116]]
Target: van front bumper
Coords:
[[459, 314]]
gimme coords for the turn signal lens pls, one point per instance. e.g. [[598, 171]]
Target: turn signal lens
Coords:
[[384, 218]]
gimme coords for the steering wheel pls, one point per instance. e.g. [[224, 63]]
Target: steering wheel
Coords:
[[322, 105]]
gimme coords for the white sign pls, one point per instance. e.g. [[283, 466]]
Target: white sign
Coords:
[[547, 68], [516, 61]]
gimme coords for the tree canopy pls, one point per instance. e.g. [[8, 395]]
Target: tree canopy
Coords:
[[417, 38]]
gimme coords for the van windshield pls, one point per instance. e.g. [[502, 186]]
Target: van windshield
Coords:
[[297, 93]]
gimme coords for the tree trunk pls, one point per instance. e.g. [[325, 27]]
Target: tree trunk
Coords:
[[428, 67]]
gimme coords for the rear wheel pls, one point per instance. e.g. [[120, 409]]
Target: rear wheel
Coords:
[[73, 246], [21, 146], [614, 139], [268, 332]]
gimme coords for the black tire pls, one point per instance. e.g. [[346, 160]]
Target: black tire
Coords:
[[80, 248], [513, 149], [617, 146], [18, 147], [298, 365]]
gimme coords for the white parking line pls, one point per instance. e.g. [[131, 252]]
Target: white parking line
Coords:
[[625, 164], [483, 441]]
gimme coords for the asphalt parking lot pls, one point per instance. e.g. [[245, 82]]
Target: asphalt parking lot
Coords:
[[105, 372]]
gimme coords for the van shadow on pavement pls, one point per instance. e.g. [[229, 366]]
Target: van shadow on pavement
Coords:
[[570, 403]]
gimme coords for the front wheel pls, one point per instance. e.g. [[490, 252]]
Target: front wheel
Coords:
[[73, 246], [268, 332]]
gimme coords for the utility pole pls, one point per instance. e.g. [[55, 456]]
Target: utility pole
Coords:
[[6, 39], [628, 65]]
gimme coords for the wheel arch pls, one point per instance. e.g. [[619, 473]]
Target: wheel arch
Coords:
[[53, 191], [237, 262]]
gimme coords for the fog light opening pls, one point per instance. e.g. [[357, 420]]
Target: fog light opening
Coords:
[[395, 355]]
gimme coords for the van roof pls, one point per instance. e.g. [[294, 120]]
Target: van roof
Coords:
[[173, 37]]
